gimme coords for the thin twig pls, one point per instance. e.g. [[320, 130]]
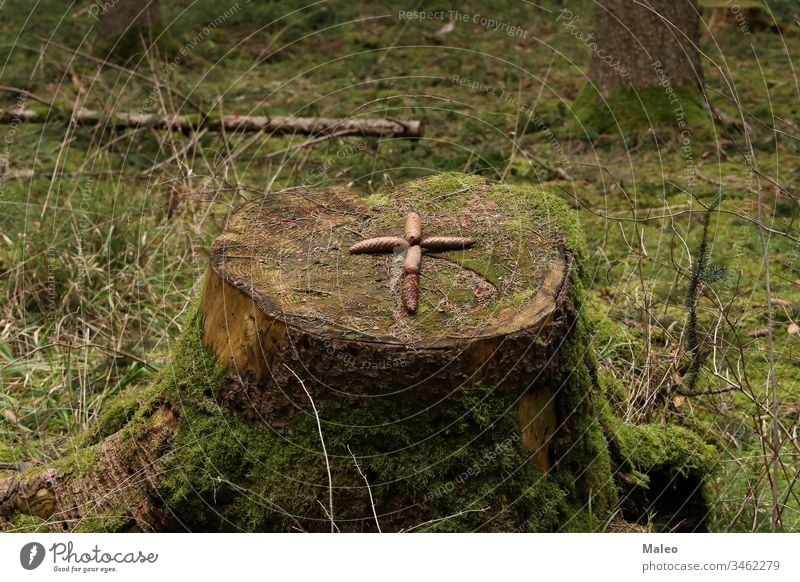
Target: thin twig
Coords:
[[369, 489]]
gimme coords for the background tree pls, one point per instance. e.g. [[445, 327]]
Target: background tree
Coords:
[[645, 67], [124, 25]]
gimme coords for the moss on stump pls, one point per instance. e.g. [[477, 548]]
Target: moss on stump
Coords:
[[204, 447]]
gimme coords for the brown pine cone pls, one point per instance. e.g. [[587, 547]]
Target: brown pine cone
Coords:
[[413, 232], [410, 293], [447, 243], [413, 259], [380, 244]]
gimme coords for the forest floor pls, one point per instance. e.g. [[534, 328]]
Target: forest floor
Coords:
[[102, 246]]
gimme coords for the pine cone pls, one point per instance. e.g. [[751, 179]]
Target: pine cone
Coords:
[[410, 293], [380, 244], [413, 231], [413, 259], [447, 243]]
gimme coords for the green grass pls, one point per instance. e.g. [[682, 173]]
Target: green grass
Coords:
[[97, 264]]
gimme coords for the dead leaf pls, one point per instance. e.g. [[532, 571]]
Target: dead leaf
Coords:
[[793, 329], [10, 416], [446, 29]]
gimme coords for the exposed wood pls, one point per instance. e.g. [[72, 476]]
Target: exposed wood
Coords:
[[272, 125], [538, 423]]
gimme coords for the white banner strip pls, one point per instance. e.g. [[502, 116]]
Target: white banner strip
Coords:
[[419, 557]]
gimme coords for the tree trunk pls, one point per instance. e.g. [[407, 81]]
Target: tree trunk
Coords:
[[127, 27], [303, 395], [645, 66], [645, 37], [120, 17]]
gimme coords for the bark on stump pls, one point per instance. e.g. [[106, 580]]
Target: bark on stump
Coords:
[[302, 396]]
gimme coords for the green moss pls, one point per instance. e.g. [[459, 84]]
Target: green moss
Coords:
[[116, 414], [377, 199], [650, 447], [21, 523], [80, 461], [664, 449], [263, 479], [587, 460], [449, 182], [629, 111], [194, 370]]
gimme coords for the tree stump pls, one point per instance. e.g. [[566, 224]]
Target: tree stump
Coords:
[[288, 310], [305, 327], [303, 396]]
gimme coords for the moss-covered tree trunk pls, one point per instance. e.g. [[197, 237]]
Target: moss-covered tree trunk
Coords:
[[645, 68], [302, 396], [127, 27]]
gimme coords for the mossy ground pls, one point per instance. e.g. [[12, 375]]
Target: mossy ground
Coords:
[[629, 112]]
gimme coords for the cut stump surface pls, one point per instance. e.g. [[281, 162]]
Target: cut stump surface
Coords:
[[284, 294]]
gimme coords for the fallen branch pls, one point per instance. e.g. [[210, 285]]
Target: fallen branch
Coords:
[[273, 125]]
